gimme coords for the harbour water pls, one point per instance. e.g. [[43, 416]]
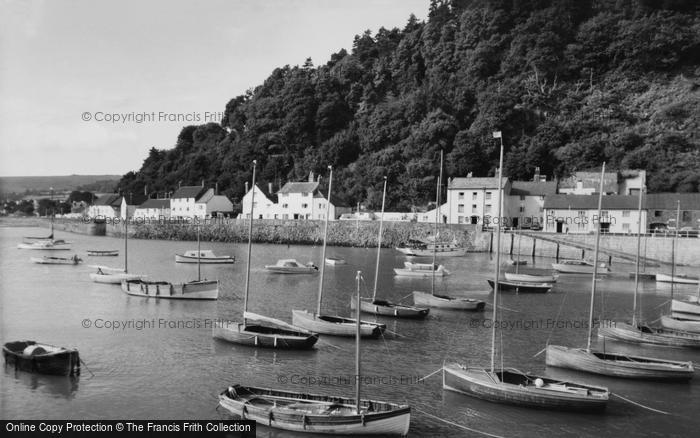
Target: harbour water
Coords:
[[156, 359]]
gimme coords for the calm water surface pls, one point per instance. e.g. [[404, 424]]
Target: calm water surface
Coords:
[[166, 372]]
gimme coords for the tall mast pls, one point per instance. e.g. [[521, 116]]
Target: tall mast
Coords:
[[639, 246], [250, 243], [437, 213], [673, 245], [126, 238], [357, 346], [379, 245], [325, 235], [497, 271], [199, 246], [595, 259]]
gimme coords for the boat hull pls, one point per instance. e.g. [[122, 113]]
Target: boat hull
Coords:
[[451, 252], [423, 273], [96, 253], [522, 287], [445, 302], [335, 325], [620, 331], [617, 365], [55, 261], [115, 278], [179, 258], [385, 308], [64, 362], [260, 335], [489, 386], [334, 261], [40, 247], [565, 268], [319, 414], [679, 279], [688, 307], [282, 270], [686, 325], [529, 278], [194, 290]]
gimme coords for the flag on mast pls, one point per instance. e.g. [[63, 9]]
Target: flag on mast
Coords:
[[496, 134]]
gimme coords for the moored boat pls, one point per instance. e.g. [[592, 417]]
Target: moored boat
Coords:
[[264, 332], [42, 358], [291, 266], [114, 277], [46, 245], [676, 278], [579, 267], [335, 325], [46, 260], [203, 256], [686, 308], [518, 262], [681, 324], [192, 290], [386, 308], [522, 286], [530, 278], [511, 386], [103, 253], [334, 261], [421, 270], [618, 364], [424, 299], [644, 334]]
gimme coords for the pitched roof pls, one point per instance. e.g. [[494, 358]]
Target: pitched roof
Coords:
[[477, 183], [298, 187], [111, 199], [533, 188], [156, 203], [669, 201], [591, 180], [189, 192], [136, 198], [590, 202]]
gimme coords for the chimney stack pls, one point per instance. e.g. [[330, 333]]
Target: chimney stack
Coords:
[[469, 175], [202, 183], [216, 188], [246, 187], [145, 190], [537, 174], [311, 176], [269, 187]]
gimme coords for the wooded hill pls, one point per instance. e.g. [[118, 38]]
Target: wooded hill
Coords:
[[570, 83]]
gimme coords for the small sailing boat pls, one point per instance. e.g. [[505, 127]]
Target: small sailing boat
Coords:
[[328, 324], [531, 277], [614, 364], [312, 413], [46, 260], [511, 386], [191, 290], [108, 275], [442, 301], [522, 286], [262, 331], [383, 307], [580, 267]]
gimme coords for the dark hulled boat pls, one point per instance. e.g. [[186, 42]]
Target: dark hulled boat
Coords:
[[42, 358]]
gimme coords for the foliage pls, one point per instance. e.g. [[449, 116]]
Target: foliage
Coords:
[[570, 83]]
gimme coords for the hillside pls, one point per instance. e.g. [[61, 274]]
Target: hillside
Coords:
[[63, 183], [570, 83]]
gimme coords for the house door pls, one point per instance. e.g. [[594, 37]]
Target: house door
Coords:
[[560, 225]]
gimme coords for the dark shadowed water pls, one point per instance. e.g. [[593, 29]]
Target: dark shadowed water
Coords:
[[166, 365]]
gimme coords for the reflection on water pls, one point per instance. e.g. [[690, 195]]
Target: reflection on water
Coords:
[[175, 358]]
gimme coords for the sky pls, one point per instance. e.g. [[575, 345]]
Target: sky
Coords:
[[88, 87]]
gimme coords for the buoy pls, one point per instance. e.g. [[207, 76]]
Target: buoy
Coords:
[[539, 382]]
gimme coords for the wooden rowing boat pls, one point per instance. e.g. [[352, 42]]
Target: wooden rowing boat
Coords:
[[424, 299], [386, 308], [530, 278], [579, 267], [42, 358], [46, 260], [103, 253], [191, 290]]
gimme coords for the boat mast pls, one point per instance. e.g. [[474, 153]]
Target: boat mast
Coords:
[[325, 236], [673, 245], [437, 213], [639, 246], [497, 271], [595, 259], [250, 244], [357, 345], [126, 238], [520, 230], [379, 246], [199, 255]]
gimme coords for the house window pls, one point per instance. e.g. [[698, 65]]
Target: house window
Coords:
[[522, 209], [320, 206], [657, 213], [625, 213], [626, 227], [474, 195], [474, 208], [488, 196], [304, 205], [460, 208], [285, 206], [304, 194], [460, 196], [255, 204], [460, 219], [285, 216], [522, 197], [487, 209], [686, 216]]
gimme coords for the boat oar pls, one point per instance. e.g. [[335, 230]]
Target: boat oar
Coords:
[[329, 344], [639, 404], [504, 308], [452, 423], [430, 375], [395, 333], [86, 367], [540, 352]]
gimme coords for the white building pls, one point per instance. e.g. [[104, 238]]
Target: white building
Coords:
[[153, 209], [578, 214], [525, 202], [473, 200], [303, 200], [197, 202], [106, 206], [264, 206]]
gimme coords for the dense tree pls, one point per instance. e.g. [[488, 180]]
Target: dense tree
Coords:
[[570, 83]]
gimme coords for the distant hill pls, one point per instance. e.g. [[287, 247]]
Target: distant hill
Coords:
[[60, 183]]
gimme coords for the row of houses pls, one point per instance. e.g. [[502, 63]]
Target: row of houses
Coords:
[[188, 202]]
